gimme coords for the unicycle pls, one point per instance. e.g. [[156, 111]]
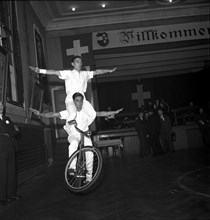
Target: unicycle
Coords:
[[87, 160]]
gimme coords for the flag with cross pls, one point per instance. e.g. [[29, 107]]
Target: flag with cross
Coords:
[[129, 94], [77, 45], [141, 95]]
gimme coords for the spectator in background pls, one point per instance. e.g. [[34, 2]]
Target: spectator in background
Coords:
[[8, 146], [154, 132], [150, 105], [165, 106], [156, 105], [146, 115], [202, 119], [191, 112], [142, 130], [165, 132]]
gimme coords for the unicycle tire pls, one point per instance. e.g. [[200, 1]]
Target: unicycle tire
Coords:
[[77, 182]]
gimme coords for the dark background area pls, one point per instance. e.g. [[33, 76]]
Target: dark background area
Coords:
[[177, 91]]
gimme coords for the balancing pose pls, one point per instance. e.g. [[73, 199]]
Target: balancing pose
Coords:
[[64, 114], [75, 81], [73, 135]]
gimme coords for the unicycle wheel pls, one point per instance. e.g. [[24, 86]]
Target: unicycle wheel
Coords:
[[83, 169]]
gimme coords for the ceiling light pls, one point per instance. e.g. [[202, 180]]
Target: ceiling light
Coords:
[[73, 9], [103, 5]]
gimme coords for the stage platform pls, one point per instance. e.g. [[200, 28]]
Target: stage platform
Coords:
[[171, 186]]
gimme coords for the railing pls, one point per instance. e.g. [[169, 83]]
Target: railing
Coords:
[[184, 115], [32, 153]]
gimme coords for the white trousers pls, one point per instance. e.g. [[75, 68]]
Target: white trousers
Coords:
[[74, 142]]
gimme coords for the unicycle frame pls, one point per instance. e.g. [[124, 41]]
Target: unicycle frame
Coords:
[[77, 184]]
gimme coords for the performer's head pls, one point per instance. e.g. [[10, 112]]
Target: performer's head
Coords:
[[78, 100], [77, 62]]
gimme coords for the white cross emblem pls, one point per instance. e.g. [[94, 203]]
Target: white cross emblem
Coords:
[[77, 49], [140, 95]]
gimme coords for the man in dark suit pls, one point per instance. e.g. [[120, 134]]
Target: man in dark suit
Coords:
[[154, 132], [8, 146], [202, 121], [140, 126], [165, 132]]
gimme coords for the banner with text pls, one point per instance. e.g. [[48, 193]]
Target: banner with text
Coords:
[[150, 35]]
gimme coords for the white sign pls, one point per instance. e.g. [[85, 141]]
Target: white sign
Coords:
[[150, 35]]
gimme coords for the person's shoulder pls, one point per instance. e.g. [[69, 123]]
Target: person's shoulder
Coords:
[[84, 71], [65, 74], [67, 70]]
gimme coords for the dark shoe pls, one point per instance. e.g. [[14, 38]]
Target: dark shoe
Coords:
[[71, 172]]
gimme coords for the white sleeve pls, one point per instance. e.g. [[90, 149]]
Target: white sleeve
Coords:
[[64, 114], [65, 74], [89, 75]]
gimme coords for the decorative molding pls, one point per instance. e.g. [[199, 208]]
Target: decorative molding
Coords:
[[41, 12], [126, 17]]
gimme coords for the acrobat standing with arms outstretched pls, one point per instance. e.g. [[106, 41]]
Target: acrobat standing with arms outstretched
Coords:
[[76, 81]]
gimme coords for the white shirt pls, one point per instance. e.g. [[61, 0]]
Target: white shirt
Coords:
[[75, 81], [81, 119]]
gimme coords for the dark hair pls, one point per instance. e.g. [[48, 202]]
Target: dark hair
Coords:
[[75, 57], [160, 109], [141, 110], [77, 94]]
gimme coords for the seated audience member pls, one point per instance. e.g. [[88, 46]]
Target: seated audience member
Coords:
[[8, 147], [165, 132], [202, 119]]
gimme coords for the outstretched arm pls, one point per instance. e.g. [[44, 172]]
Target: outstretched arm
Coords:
[[108, 113], [46, 114], [45, 71], [100, 71]]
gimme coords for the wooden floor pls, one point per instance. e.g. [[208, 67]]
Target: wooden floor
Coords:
[[168, 187]]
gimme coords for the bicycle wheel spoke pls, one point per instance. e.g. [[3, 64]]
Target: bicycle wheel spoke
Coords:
[[88, 165]]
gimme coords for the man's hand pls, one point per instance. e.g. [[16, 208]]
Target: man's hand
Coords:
[[119, 110], [34, 69], [112, 70], [72, 122], [16, 128], [36, 112]]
